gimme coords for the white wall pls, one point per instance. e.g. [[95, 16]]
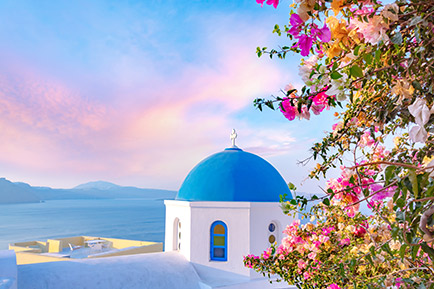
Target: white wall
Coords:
[[8, 269], [236, 217], [247, 224], [180, 210], [261, 215]]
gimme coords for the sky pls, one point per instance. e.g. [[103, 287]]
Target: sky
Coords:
[[138, 92]]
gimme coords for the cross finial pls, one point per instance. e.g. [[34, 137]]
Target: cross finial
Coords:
[[233, 137]]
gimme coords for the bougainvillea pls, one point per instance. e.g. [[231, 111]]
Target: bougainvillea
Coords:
[[376, 62]]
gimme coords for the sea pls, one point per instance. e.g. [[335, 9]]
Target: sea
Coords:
[[134, 219]]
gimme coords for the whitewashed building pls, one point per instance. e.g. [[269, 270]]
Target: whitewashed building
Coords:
[[227, 208]]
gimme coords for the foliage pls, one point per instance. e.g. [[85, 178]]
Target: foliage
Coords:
[[376, 62]]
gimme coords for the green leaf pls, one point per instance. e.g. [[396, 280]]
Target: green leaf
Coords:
[[413, 179], [400, 216], [335, 65], [396, 38], [356, 71], [428, 250], [389, 173], [368, 58], [326, 202], [356, 50], [369, 258], [289, 92], [417, 85], [400, 202], [377, 55], [270, 104], [291, 186], [335, 75], [402, 250]]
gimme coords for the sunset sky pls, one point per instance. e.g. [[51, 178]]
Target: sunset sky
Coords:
[[138, 92]]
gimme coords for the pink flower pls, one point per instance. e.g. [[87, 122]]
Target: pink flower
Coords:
[[398, 282], [311, 255], [306, 275], [366, 140], [305, 43], [269, 2], [383, 194], [320, 99], [345, 242], [360, 230], [304, 113], [266, 254], [289, 111], [301, 264], [317, 109], [297, 25], [328, 230], [323, 239], [324, 34], [333, 286]]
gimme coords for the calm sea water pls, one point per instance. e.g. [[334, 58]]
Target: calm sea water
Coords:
[[136, 219]]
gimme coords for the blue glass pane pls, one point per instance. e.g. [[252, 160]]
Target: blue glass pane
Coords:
[[271, 227], [219, 252]]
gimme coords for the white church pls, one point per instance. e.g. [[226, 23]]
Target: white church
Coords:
[[227, 207]]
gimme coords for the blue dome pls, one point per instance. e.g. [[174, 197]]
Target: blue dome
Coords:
[[233, 175]]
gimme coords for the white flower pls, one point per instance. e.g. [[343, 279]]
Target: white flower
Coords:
[[390, 11], [337, 87], [421, 114], [418, 134], [420, 111], [307, 67]]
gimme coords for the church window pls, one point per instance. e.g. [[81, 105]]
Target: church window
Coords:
[[219, 234], [272, 232], [176, 235]]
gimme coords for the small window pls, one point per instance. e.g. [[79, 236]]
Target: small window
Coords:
[[218, 246], [176, 235], [272, 232]]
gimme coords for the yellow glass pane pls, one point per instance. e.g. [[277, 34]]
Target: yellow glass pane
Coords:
[[271, 239], [219, 241], [219, 229]]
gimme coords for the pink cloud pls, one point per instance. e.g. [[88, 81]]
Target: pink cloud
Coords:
[[149, 135]]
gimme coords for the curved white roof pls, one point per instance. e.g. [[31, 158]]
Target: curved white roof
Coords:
[[143, 271]]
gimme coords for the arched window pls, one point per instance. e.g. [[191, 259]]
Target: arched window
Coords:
[[219, 241], [176, 235]]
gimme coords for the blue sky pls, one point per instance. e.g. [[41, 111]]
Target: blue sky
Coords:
[[138, 92]]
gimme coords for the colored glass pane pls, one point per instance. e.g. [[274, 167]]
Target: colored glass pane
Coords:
[[219, 240], [271, 227], [271, 239], [219, 229], [219, 252]]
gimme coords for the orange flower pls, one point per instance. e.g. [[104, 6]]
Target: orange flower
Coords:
[[334, 50], [337, 5]]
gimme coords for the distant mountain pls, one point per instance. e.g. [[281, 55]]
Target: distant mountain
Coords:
[[24, 193], [100, 185], [11, 193]]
